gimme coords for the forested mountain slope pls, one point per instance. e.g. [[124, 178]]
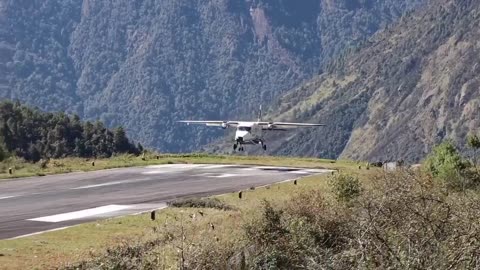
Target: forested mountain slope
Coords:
[[145, 64], [412, 86]]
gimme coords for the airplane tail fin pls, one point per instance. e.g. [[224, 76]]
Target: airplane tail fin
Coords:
[[260, 114]]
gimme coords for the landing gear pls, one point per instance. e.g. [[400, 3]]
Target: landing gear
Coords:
[[264, 146], [239, 147]]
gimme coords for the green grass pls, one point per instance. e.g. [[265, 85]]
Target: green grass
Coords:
[[83, 242], [21, 168]]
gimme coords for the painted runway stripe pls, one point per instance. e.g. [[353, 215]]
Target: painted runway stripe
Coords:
[[7, 197], [146, 208], [175, 166], [225, 175], [214, 166], [249, 169], [157, 172], [82, 213], [300, 172], [101, 185], [111, 183]]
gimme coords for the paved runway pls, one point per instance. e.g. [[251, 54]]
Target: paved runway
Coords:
[[37, 204]]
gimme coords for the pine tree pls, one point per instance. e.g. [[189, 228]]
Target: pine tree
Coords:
[[33, 153], [473, 142], [3, 150], [120, 140]]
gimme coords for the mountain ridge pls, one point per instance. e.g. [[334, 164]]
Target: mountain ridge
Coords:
[[408, 90], [145, 64]]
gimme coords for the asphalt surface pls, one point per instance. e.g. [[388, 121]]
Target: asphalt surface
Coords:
[[37, 204]]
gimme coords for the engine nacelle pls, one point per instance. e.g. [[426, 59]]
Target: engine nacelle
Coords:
[[224, 125]]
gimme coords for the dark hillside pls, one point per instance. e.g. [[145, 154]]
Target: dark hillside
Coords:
[[145, 64]]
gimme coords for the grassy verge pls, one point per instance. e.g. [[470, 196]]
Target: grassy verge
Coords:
[[87, 241], [21, 168]]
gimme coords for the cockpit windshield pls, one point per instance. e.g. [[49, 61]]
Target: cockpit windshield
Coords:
[[245, 129]]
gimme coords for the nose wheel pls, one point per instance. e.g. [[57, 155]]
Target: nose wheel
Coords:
[[264, 146]]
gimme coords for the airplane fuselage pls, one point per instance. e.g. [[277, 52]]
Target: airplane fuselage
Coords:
[[248, 133]]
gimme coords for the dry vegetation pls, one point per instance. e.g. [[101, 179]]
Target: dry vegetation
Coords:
[[359, 218], [400, 220], [406, 219]]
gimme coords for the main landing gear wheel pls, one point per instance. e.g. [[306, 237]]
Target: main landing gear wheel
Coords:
[[235, 147]]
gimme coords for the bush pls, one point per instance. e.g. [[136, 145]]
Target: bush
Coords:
[[346, 187], [407, 221], [446, 165], [125, 256], [290, 237], [201, 203], [3, 152], [43, 163], [403, 221], [270, 236]]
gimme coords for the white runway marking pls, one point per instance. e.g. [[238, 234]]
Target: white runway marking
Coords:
[[101, 185], [144, 208], [225, 175], [299, 172], [214, 166], [82, 214], [7, 197], [156, 172], [175, 166], [112, 183]]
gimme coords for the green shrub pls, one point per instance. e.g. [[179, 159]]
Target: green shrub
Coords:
[[135, 255], [3, 151], [446, 165], [214, 203], [346, 187], [402, 220], [290, 237]]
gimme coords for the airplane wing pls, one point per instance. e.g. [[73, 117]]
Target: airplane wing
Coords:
[[223, 124], [288, 124]]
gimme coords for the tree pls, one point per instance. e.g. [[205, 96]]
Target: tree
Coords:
[[3, 150], [139, 149], [120, 140], [33, 153], [474, 142], [33, 135], [446, 164]]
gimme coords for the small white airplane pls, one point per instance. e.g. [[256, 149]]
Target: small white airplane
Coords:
[[251, 132]]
